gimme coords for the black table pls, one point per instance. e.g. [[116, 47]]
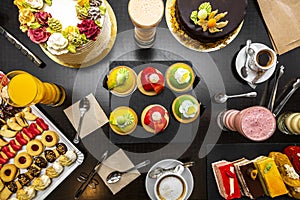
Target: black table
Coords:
[[253, 28]]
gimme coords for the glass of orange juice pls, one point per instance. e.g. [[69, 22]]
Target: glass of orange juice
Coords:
[[24, 89]]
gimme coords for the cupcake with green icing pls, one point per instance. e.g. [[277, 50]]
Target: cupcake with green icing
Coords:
[[180, 77], [123, 120], [186, 108]]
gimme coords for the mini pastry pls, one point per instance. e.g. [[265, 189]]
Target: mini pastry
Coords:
[[121, 81], [27, 193], [40, 162], [1, 185], [28, 115], [248, 178], [41, 182], [51, 156], [34, 147], [34, 171], [22, 160], [49, 138], [5, 132], [293, 153], [186, 108], [12, 186], [270, 176], [151, 81], [155, 118], [61, 148], [68, 158], [23, 179], [287, 172], [123, 120], [180, 77], [226, 179], [8, 172], [5, 193], [55, 170]]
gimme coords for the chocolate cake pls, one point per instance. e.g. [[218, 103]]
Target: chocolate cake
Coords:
[[236, 12]]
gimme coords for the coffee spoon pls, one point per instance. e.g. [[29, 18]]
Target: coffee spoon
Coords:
[[222, 98], [244, 69], [115, 176], [158, 171]]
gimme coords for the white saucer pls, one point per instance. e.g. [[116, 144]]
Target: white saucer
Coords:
[[167, 163], [240, 61]]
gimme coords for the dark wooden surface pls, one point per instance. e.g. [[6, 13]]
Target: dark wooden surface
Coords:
[[253, 28]]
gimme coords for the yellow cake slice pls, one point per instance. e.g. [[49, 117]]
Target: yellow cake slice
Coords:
[[270, 176]]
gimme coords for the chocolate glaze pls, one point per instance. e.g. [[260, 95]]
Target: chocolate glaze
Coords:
[[236, 12], [254, 186]]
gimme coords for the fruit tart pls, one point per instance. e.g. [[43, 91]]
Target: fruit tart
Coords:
[[155, 118], [150, 81], [121, 81], [123, 120], [180, 77], [186, 108]]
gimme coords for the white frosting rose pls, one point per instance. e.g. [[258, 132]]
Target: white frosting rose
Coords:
[[71, 155], [46, 180], [38, 4], [188, 109], [30, 192], [57, 44], [182, 75]]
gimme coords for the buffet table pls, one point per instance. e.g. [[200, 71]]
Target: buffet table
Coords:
[[199, 145]]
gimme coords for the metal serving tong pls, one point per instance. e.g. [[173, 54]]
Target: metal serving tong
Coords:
[[90, 176], [274, 90]]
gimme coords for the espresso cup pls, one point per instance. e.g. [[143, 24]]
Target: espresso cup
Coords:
[[263, 59], [171, 186]]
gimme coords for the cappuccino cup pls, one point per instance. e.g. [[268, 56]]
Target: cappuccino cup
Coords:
[[171, 186], [263, 59]]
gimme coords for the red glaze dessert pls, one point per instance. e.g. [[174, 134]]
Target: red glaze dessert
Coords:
[[293, 153], [151, 81], [155, 118], [226, 179]]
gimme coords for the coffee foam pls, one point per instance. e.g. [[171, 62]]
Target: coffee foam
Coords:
[[171, 187]]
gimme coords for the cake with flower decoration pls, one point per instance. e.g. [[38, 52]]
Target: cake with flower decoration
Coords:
[[72, 32], [209, 21]]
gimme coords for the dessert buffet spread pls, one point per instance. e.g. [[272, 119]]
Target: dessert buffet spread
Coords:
[[35, 156], [75, 35], [274, 175], [154, 118]]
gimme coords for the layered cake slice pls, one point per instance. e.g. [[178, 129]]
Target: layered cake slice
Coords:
[[248, 179], [270, 176], [226, 179], [288, 173]]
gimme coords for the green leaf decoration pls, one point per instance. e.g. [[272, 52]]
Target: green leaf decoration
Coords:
[[50, 30], [71, 48], [98, 23], [25, 5], [24, 28], [48, 2], [206, 6], [102, 10], [65, 34], [87, 5], [34, 25], [268, 168], [194, 17]]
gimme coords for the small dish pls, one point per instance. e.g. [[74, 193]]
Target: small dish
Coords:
[[177, 104], [168, 163], [122, 111], [152, 92], [173, 83], [240, 61], [128, 87]]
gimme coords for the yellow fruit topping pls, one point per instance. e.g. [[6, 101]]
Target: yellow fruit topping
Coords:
[[211, 22]]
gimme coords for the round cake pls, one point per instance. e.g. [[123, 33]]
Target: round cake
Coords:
[[72, 32], [233, 13]]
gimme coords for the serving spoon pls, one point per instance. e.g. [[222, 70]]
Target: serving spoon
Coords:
[[115, 176], [84, 106], [222, 98]]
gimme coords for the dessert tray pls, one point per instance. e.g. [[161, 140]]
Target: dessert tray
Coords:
[[67, 170], [194, 44], [138, 101], [232, 152]]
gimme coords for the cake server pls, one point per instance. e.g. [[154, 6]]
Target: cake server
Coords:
[[22, 48], [90, 176]]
